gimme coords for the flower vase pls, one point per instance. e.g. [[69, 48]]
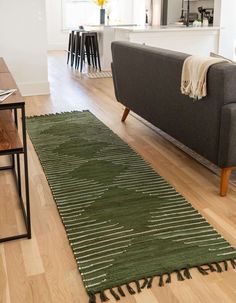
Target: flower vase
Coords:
[[102, 15]]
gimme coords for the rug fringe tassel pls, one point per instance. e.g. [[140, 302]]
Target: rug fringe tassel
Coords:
[[161, 281], [114, 294], [103, 296], [130, 289], [149, 285], [147, 282], [187, 273], [168, 280], [92, 298], [138, 286], [58, 113], [179, 275], [144, 283], [233, 263], [211, 267], [226, 265], [202, 271], [218, 267], [120, 290]]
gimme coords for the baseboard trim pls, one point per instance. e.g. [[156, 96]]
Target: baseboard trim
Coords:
[[34, 88]]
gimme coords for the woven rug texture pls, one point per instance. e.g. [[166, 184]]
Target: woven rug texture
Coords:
[[124, 222], [97, 75]]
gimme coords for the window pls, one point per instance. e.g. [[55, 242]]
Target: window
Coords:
[[79, 12], [86, 12]]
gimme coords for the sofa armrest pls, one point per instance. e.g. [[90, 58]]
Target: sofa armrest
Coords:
[[227, 140]]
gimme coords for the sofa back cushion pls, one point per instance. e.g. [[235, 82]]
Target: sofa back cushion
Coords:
[[147, 80]]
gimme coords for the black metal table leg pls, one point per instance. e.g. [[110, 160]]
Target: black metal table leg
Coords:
[[15, 149], [27, 197], [17, 173], [18, 159]]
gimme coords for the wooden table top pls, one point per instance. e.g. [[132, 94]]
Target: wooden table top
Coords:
[[8, 82], [3, 66], [9, 137]]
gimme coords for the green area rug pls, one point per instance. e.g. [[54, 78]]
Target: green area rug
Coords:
[[124, 222]]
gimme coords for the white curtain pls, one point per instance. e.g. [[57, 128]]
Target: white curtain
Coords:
[[156, 11]]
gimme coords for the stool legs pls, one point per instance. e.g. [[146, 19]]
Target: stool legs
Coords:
[[82, 53], [97, 52], [88, 48], [69, 49], [92, 51], [77, 50], [83, 45], [72, 48]]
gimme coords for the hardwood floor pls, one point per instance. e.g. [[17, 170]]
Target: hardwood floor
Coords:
[[43, 270]]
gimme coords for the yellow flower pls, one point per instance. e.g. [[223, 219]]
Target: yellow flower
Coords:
[[101, 3]]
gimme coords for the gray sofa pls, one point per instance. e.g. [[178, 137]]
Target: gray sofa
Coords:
[[147, 81]]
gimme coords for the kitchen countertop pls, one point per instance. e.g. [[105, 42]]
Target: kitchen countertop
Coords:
[[149, 29], [142, 29], [192, 40]]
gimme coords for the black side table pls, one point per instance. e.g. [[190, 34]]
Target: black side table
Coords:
[[10, 144]]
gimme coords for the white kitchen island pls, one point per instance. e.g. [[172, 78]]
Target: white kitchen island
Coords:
[[191, 40]]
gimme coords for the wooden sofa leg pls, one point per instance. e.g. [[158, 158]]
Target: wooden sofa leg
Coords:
[[224, 184], [125, 114]]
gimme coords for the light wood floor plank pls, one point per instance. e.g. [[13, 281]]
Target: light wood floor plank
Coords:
[[4, 285]]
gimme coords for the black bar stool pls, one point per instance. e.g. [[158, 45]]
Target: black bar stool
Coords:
[[69, 48], [89, 48], [77, 49], [72, 45]]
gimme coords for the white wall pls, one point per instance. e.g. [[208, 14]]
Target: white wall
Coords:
[[56, 38], [227, 21], [23, 43]]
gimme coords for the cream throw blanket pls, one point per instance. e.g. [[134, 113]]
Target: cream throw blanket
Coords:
[[194, 75]]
